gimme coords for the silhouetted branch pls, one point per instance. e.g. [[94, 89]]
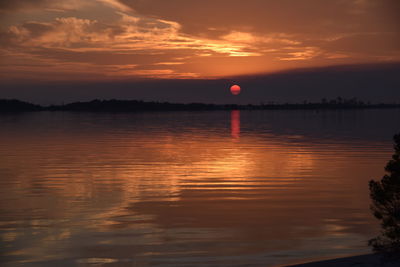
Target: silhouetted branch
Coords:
[[385, 195]]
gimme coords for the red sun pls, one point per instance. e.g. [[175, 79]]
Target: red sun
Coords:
[[235, 89]]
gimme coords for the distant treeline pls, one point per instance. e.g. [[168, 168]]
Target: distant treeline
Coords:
[[11, 105]]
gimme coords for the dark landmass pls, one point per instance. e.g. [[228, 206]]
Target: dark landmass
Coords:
[[16, 105], [13, 105]]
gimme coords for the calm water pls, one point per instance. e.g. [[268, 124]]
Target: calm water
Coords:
[[255, 188]]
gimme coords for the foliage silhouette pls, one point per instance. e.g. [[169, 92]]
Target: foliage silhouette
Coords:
[[385, 195], [115, 105]]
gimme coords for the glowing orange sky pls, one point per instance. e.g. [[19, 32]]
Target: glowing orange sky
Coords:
[[128, 39]]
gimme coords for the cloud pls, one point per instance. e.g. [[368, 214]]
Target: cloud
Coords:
[[367, 43], [7, 5], [116, 4], [306, 16], [122, 49], [134, 38], [62, 32], [129, 33], [29, 5], [265, 40]]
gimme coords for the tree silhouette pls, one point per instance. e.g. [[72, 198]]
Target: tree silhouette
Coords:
[[385, 195]]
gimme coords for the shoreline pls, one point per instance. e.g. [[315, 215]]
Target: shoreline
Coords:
[[365, 260], [113, 105]]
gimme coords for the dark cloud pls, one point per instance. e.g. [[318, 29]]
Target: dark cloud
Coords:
[[371, 44], [15, 5], [6, 39], [106, 58], [375, 83], [25, 5], [37, 28]]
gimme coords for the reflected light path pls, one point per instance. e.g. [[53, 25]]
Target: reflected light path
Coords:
[[235, 123]]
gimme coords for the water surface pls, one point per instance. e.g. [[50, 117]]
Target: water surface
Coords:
[[221, 188]]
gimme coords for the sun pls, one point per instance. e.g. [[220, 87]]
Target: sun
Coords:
[[235, 89]]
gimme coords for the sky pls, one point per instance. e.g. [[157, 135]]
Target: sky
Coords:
[[134, 42]]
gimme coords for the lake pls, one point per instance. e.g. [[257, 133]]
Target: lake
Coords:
[[211, 188]]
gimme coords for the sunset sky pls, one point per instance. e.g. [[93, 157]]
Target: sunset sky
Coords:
[[128, 40]]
